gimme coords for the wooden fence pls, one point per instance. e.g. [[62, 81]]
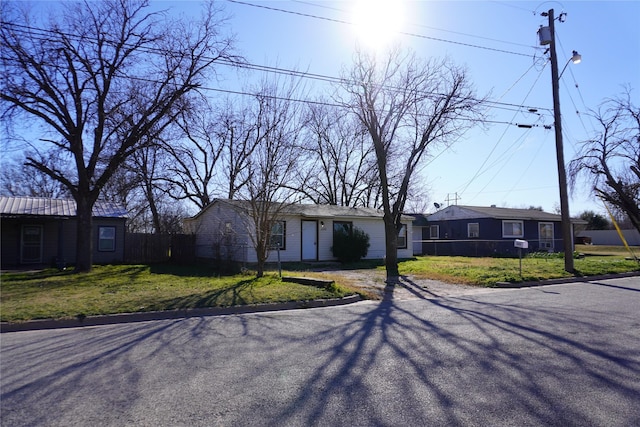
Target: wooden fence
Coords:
[[142, 248]]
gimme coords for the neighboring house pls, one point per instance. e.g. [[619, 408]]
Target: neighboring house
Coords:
[[304, 232], [487, 231], [42, 231]]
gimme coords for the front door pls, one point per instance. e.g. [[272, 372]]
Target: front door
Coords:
[[31, 247], [309, 240]]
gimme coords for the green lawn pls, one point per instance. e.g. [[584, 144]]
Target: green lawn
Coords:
[[593, 260], [134, 288]]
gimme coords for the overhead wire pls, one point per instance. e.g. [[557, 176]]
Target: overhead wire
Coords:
[[512, 5], [325, 78], [565, 129], [433, 38], [43, 35], [480, 171], [342, 21], [337, 9]]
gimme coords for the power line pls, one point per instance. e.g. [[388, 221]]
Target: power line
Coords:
[[42, 34], [512, 5], [341, 21], [480, 171], [337, 9]]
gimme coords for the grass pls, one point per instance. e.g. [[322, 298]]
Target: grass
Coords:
[[135, 288], [489, 271], [616, 251], [53, 294]]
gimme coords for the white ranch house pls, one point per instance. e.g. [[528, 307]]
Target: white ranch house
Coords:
[[304, 231]]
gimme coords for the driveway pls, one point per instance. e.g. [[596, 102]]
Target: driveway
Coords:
[[407, 287]]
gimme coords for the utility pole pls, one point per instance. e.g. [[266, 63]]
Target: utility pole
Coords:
[[562, 175]]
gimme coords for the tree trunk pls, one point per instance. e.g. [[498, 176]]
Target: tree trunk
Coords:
[[260, 268], [391, 246], [84, 244], [153, 207]]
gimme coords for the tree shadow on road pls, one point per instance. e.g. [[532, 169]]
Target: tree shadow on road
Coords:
[[430, 361], [457, 361]]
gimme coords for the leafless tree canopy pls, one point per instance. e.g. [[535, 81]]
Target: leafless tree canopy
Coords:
[[407, 106], [194, 151], [274, 159], [340, 166], [20, 180], [611, 159], [101, 78]]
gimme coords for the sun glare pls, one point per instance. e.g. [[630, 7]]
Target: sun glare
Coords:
[[378, 22]]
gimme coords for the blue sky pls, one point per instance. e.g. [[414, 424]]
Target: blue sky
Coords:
[[497, 42], [501, 164]]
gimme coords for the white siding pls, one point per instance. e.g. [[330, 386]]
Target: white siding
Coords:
[[293, 244], [210, 226], [214, 239], [409, 251], [417, 240], [374, 227]]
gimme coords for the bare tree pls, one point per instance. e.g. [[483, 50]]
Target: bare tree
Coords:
[[418, 199], [21, 180], [194, 151], [611, 159], [340, 162], [240, 129], [407, 106], [101, 78], [270, 169]]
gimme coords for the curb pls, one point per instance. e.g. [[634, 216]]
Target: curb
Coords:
[[112, 319], [563, 280]]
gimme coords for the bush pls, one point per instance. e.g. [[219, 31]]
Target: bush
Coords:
[[350, 247]]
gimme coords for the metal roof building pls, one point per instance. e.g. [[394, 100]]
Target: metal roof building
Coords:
[[14, 206]]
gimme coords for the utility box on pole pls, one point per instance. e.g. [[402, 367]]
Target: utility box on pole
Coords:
[[544, 35]]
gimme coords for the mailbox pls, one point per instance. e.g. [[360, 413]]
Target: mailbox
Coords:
[[523, 244]]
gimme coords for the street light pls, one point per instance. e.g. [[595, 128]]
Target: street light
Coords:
[[547, 36], [576, 58]]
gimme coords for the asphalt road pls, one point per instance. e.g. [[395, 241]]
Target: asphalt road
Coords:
[[552, 355]]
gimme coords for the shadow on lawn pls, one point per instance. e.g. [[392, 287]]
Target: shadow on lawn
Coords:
[[186, 270], [226, 296], [53, 278]]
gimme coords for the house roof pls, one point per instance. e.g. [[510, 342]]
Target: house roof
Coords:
[[477, 212], [419, 220], [312, 210], [42, 206]]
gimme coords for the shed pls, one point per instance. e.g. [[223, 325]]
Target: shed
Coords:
[[42, 231]]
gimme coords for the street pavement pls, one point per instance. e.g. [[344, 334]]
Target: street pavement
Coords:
[[557, 355]]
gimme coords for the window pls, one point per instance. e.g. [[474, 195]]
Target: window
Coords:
[[106, 239], [512, 229], [545, 234], [434, 232], [342, 227], [473, 230], [402, 237], [278, 235]]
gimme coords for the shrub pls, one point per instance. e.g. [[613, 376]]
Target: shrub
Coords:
[[350, 247]]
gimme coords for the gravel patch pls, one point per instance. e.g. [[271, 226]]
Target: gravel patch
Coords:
[[407, 287]]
